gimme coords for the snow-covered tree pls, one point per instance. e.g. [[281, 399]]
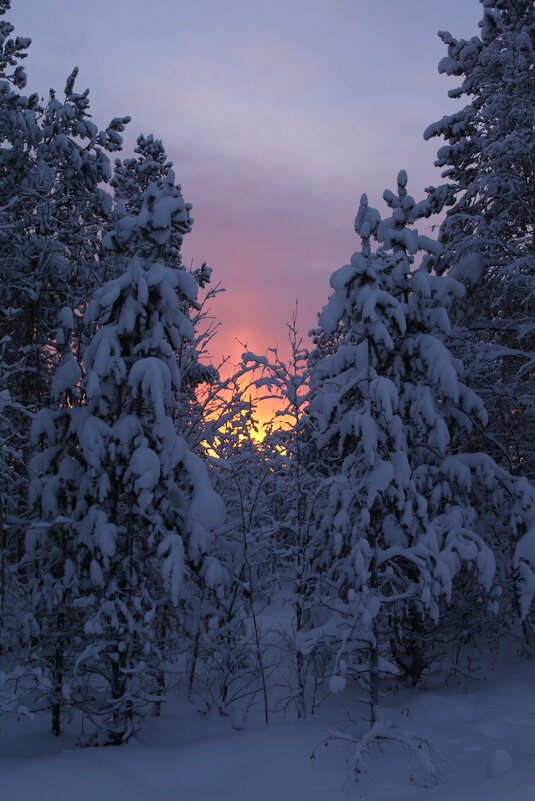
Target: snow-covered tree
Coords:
[[295, 492], [243, 478], [402, 517], [53, 161], [18, 131], [12, 487], [53, 214], [488, 232], [200, 381], [126, 508]]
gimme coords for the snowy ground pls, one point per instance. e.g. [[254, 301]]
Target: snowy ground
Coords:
[[485, 734]]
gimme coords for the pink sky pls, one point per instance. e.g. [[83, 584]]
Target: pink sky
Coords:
[[278, 114]]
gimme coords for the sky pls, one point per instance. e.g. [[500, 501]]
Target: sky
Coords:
[[277, 114]]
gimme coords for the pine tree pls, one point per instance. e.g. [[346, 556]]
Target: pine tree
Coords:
[[407, 510], [54, 211], [488, 232], [18, 131], [200, 381], [126, 508], [53, 161]]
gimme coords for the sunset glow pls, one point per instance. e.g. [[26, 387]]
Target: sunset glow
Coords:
[[273, 123]]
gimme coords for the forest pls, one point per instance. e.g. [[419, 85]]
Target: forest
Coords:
[[157, 540]]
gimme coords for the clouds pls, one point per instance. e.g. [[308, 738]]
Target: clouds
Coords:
[[274, 235], [278, 115], [269, 241]]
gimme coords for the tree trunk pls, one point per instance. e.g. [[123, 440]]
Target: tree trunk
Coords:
[[58, 678]]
